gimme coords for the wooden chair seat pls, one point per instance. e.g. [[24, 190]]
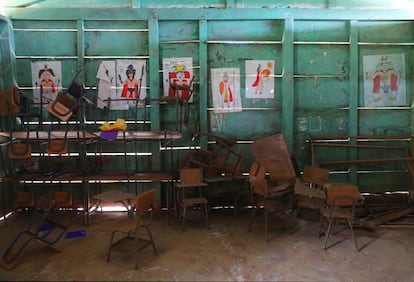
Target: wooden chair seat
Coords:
[[194, 201]]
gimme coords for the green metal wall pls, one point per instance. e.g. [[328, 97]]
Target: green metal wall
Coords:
[[318, 71]]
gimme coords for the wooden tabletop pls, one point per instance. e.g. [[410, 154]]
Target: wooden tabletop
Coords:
[[148, 176], [83, 134]]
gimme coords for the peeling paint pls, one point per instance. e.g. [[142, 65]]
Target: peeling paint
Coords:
[[302, 124], [315, 123]]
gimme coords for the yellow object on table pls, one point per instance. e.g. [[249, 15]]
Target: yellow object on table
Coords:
[[119, 124]]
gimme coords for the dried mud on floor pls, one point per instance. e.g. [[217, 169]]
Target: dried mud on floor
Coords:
[[221, 251]]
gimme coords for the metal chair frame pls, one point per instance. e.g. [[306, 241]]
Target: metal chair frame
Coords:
[[129, 238], [341, 200]]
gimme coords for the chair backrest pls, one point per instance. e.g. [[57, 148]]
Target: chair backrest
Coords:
[[191, 175], [315, 175], [280, 169], [342, 195], [144, 203], [10, 101], [19, 151], [254, 167], [145, 199], [57, 146], [257, 178], [273, 150], [59, 110], [24, 199], [62, 198]]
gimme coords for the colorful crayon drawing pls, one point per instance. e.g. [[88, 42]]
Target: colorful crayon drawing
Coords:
[[260, 79], [46, 80], [226, 90], [384, 80]]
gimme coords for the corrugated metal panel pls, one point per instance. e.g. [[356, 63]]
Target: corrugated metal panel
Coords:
[[318, 72]]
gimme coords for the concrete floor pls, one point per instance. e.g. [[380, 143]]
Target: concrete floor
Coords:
[[223, 251]]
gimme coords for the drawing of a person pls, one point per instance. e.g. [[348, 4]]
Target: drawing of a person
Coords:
[[385, 77], [261, 75], [180, 76], [130, 88], [225, 89], [47, 83]]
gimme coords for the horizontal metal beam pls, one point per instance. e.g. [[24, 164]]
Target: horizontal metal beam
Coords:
[[371, 161], [359, 146], [206, 14]]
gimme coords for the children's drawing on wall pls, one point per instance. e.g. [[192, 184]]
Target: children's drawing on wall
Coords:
[[260, 79], [177, 71], [384, 80], [131, 81], [225, 84], [46, 80], [107, 87]]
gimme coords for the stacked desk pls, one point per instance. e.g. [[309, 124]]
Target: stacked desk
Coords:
[[95, 177]]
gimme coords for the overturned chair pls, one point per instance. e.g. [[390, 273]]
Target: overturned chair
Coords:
[[64, 106], [41, 227], [128, 239]]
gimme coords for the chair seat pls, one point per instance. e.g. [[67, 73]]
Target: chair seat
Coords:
[[337, 213], [313, 203], [275, 206], [279, 189], [194, 201], [303, 189]]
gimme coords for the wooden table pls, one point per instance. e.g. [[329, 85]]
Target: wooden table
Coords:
[[101, 177]]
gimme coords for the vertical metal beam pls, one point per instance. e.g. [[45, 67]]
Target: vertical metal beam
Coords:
[[81, 68], [203, 114], [80, 49], [230, 3], [288, 83], [136, 3], [82, 149], [353, 78], [154, 76], [353, 91], [10, 77]]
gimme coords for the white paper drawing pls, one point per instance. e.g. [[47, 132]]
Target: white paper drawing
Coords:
[[46, 80], [131, 81], [107, 86], [384, 80], [225, 83], [178, 71], [260, 79]]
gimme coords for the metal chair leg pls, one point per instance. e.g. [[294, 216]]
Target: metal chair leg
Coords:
[[327, 235]]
